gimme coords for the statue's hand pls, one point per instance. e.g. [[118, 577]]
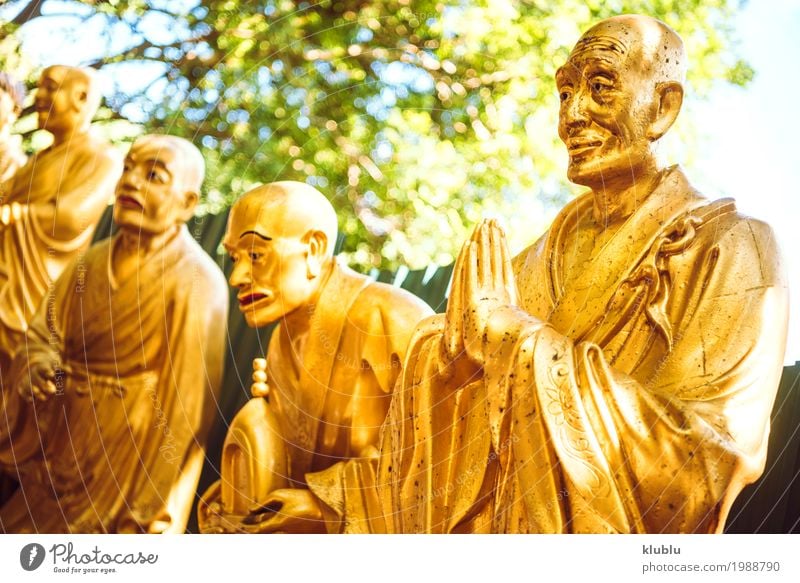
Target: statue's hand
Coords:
[[43, 380], [290, 510], [482, 282]]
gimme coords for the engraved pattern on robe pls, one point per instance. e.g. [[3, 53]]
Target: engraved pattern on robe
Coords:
[[637, 401]]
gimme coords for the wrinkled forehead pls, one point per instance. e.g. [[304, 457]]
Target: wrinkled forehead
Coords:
[[155, 151], [601, 43], [607, 44]]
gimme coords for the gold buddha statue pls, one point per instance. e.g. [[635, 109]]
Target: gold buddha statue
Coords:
[[331, 364], [50, 207], [618, 375], [107, 407]]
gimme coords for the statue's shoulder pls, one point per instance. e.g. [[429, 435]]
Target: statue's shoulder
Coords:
[[100, 148], [391, 299], [205, 273], [741, 240], [391, 302], [97, 252]]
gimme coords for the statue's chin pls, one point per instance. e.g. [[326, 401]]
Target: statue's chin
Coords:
[[256, 320]]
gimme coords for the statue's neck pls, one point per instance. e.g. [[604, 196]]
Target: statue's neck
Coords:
[[297, 324], [68, 134], [137, 243], [614, 203]]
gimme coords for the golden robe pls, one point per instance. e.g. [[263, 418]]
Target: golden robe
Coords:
[[331, 396], [77, 179], [637, 399], [120, 447]]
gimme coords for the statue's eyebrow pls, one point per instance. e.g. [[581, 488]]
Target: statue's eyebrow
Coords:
[[257, 234]]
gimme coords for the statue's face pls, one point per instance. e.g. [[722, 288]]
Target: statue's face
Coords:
[[150, 197], [60, 99], [270, 268], [607, 99]]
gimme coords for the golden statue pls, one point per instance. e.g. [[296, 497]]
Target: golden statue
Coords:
[[111, 398], [331, 365], [49, 210], [627, 386], [12, 94]]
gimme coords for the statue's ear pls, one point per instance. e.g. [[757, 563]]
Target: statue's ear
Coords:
[[190, 200], [80, 95], [317, 253], [669, 97]]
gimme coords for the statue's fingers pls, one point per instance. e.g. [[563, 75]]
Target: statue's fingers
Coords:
[[471, 275], [496, 246], [485, 256], [508, 271], [476, 232], [25, 391], [38, 393], [49, 387], [267, 525], [455, 305], [271, 505]]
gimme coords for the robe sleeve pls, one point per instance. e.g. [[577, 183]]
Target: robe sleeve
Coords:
[[186, 400], [669, 445], [23, 425]]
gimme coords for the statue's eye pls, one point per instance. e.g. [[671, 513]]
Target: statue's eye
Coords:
[[600, 84], [156, 176], [254, 256], [564, 95]]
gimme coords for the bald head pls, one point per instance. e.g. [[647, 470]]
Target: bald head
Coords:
[[621, 90], [188, 161], [649, 43], [280, 237], [293, 207], [67, 99]]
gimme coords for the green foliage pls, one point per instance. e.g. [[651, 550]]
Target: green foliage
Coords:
[[415, 118]]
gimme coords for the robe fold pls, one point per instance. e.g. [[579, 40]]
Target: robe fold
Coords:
[[331, 395], [120, 447], [631, 395], [64, 190]]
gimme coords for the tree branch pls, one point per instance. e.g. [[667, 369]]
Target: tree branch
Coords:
[[32, 10]]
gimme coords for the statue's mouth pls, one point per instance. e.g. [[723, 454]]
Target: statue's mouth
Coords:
[[579, 146], [129, 202], [249, 299]]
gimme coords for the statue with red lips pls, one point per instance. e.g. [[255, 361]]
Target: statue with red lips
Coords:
[[107, 408], [323, 392]]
